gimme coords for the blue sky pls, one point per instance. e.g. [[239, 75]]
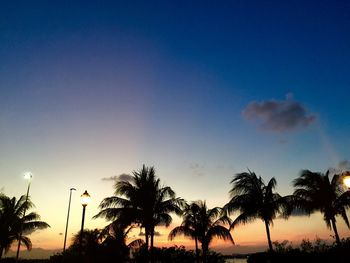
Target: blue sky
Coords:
[[92, 90]]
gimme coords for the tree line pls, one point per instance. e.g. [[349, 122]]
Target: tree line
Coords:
[[143, 202]]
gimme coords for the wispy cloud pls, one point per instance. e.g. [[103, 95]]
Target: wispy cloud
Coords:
[[196, 169], [279, 116], [121, 177], [342, 166]]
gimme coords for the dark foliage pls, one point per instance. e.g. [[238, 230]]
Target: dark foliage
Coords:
[[254, 199], [13, 260], [203, 225], [175, 254], [17, 222], [142, 201], [317, 192], [318, 252]]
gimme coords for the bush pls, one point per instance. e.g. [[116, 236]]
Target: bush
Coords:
[[308, 252], [13, 260], [175, 254]]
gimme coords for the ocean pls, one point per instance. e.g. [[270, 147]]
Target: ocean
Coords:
[[237, 260]]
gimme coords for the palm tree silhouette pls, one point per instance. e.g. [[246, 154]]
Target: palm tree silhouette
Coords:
[[202, 225], [12, 222], [91, 240], [117, 233], [316, 192], [189, 226], [115, 241], [253, 199], [142, 201]]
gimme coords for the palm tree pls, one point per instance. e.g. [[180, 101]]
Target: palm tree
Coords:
[[12, 222], [114, 245], [203, 224], [90, 243], [253, 199], [142, 201], [316, 192], [119, 233], [189, 225], [165, 202]]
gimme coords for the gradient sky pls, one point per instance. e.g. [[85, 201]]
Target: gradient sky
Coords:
[[200, 90]]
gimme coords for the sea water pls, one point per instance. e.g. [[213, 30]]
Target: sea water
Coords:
[[236, 260]]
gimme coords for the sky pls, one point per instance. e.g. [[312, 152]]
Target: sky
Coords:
[[200, 90]]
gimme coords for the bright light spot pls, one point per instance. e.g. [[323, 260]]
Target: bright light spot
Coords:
[[85, 198], [346, 181], [28, 176]]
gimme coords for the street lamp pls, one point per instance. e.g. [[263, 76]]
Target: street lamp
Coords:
[[65, 234], [346, 179], [85, 200], [28, 176]]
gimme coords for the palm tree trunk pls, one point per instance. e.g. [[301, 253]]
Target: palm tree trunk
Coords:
[[152, 244], [152, 238], [146, 237], [1, 252], [205, 249], [334, 226], [268, 235], [197, 251]]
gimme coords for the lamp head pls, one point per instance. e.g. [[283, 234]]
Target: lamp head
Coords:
[[346, 179], [85, 198], [28, 175]]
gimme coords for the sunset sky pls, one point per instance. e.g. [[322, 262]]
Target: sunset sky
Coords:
[[200, 90]]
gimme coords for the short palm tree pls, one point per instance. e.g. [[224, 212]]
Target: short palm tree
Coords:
[[255, 200], [12, 222], [189, 225], [117, 233], [316, 192], [203, 225], [142, 201], [90, 243]]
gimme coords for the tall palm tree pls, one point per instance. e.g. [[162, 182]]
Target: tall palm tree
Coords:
[[203, 225], [165, 202], [142, 201], [316, 192], [255, 200], [12, 222]]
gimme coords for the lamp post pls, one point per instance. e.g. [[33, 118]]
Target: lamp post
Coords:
[[28, 176], [85, 200], [65, 234]]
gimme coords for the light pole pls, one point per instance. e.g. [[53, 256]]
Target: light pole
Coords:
[[65, 234], [28, 176], [85, 200]]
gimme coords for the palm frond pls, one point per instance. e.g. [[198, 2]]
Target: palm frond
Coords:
[[136, 243], [29, 227], [26, 241], [220, 232], [181, 230], [243, 219]]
